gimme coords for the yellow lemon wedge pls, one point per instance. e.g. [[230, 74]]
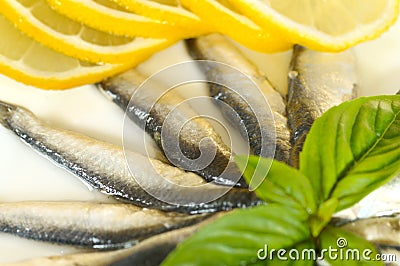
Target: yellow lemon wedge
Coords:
[[165, 10], [60, 33], [225, 19], [32, 63], [329, 25], [105, 15]]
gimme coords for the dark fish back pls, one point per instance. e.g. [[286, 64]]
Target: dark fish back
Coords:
[[317, 82]]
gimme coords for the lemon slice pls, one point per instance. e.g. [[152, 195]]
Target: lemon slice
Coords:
[[329, 25], [165, 10], [56, 31], [226, 20], [107, 16], [32, 63]]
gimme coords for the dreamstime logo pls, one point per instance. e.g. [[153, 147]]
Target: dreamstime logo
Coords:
[[341, 242], [185, 136], [341, 252]]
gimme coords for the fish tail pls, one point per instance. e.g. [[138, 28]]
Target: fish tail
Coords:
[[109, 95], [6, 110]]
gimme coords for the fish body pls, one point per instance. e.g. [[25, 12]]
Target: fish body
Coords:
[[145, 182], [382, 230], [317, 82], [238, 84], [88, 225], [149, 252], [179, 135], [376, 218]]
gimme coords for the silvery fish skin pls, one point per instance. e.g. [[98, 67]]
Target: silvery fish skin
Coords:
[[88, 225], [104, 166], [149, 111], [376, 218], [317, 82], [149, 252], [217, 48], [382, 231]]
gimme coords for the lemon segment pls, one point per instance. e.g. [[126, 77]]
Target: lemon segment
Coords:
[[329, 25], [168, 10], [226, 20], [39, 21], [32, 63], [105, 15]]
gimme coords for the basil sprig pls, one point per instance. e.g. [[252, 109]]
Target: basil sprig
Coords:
[[353, 149], [350, 151]]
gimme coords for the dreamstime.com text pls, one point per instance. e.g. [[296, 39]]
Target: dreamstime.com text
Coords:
[[340, 252]]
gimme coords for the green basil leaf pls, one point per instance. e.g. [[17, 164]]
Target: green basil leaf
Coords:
[[340, 247], [238, 237], [323, 216], [281, 183], [353, 149], [254, 168]]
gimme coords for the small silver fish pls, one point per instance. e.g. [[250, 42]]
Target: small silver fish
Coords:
[[382, 231], [246, 98], [150, 111], [104, 166], [317, 82], [89, 225], [376, 218], [149, 252]]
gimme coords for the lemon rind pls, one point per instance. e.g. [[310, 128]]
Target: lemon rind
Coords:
[[237, 27], [120, 23], [312, 38]]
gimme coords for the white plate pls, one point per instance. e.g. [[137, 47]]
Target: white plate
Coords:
[[24, 175]]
